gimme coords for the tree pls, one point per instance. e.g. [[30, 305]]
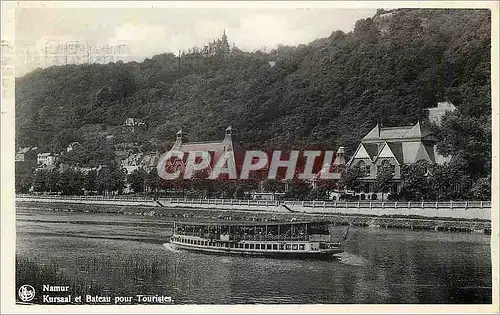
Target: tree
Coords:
[[137, 180], [23, 177], [118, 179], [450, 180], [71, 182], [350, 178], [385, 175], [481, 190], [153, 181], [469, 139], [299, 190], [273, 185], [103, 180], [200, 181], [52, 180], [90, 181], [414, 183], [40, 181]]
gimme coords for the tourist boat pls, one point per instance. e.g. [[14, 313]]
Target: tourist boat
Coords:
[[286, 239]]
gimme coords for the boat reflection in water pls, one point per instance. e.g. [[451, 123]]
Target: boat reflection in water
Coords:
[[288, 239]]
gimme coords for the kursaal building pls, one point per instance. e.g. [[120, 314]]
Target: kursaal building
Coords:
[[394, 147]]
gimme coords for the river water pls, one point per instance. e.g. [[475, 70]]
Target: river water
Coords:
[[126, 255]]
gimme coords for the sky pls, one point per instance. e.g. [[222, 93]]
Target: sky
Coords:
[[151, 31]]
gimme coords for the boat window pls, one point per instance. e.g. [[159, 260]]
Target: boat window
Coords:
[[262, 246], [231, 245], [269, 246], [246, 245], [288, 246], [241, 245], [252, 246], [282, 246], [275, 246], [294, 246], [302, 246], [257, 246]]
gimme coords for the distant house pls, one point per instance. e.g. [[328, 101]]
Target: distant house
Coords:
[[134, 122], [72, 146], [394, 147], [149, 161], [437, 113], [46, 159], [26, 154]]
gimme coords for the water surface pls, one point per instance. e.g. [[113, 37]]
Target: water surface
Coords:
[[127, 255]]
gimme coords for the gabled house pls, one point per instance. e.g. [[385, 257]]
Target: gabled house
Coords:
[[394, 147]]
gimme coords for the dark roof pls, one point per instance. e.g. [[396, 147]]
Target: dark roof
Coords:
[[200, 146], [372, 149], [397, 150], [416, 131]]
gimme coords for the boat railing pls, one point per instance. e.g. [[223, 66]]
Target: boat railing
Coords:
[[267, 238], [237, 238]]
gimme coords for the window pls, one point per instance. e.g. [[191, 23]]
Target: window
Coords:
[[269, 246], [231, 245], [252, 246], [218, 244], [275, 246], [262, 246], [365, 169], [294, 246], [302, 246], [246, 245], [288, 246], [282, 246], [241, 245], [257, 246], [386, 164]]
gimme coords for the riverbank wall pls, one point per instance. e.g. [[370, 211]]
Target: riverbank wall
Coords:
[[470, 210], [473, 218]]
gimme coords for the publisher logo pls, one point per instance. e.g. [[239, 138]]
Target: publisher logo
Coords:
[[26, 293]]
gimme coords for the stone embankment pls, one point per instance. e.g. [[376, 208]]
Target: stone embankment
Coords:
[[471, 216]]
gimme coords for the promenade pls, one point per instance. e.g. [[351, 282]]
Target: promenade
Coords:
[[468, 210]]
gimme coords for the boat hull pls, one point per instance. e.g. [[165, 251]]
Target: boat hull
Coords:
[[319, 254]]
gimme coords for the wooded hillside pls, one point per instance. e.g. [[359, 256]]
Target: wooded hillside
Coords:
[[327, 93]]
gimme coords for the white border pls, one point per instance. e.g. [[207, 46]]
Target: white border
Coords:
[[7, 168]]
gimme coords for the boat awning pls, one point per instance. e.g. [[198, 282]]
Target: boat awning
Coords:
[[249, 223]]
